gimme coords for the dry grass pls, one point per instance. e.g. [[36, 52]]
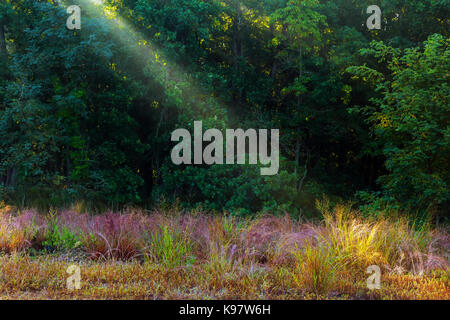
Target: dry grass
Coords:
[[158, 255]]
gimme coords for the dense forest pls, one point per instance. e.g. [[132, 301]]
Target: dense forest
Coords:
[[87, 114]]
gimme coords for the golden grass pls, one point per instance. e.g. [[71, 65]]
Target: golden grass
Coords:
[[45, 278]]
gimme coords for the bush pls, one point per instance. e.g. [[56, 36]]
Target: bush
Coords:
[[237, 189], [60, 239]]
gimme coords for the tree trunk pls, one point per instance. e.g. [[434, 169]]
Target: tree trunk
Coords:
[[3, 52], [237, 46], [305, 173], [297, 155], [11, 177]]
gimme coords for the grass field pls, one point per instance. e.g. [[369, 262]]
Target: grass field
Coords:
[[166, 255]]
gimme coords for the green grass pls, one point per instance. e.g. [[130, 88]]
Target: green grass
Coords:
[[169, 248]]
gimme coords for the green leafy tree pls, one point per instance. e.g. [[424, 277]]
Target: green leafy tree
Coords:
[[410, 118]]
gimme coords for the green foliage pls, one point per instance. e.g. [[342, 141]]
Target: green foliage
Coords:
[[87, 114], [410, 119], [238, 189], [60, 239]]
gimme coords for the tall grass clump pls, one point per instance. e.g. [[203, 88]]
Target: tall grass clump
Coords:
[[352, 241], [358, 242], [21, 231], [116, 236], [224, 259], [170, 248], [315, 268]]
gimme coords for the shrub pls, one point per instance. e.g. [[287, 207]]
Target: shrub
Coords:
[[238, 189], [60, 239]]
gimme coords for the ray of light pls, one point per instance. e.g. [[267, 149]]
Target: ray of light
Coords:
[[153, 60]]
